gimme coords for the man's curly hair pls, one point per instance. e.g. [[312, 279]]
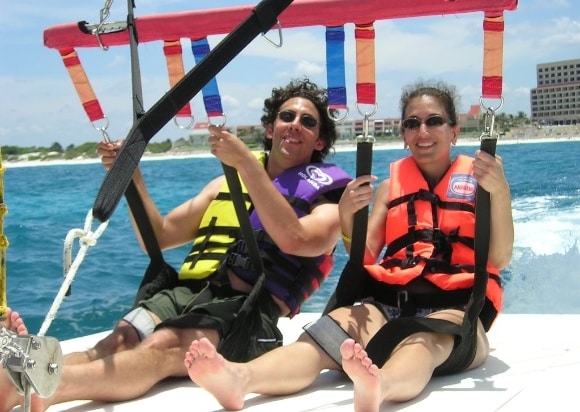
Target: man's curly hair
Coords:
[[318, 96]]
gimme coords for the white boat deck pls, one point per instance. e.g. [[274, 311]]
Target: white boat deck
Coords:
[[534, 365]]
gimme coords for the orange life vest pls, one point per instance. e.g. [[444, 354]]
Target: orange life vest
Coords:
[[429, 234]]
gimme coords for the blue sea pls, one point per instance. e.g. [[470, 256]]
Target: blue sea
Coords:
[[46, 202]]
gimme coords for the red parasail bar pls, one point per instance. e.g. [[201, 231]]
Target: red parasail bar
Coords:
[[197, 24]]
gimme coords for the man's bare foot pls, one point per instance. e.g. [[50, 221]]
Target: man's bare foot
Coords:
[[9, 396], [210, 370], [365, 376], [14, 322]]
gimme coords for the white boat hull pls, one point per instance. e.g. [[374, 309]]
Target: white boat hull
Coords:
[[534, 365]]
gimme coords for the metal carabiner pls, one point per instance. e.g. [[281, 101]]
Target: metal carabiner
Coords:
[[489, 120], [279, 34]]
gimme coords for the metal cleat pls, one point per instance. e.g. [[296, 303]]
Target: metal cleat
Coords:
[[31, 362]]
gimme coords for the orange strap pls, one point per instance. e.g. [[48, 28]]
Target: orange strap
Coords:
[[365, 63], [173, 57], [493, 28], [81, 83]]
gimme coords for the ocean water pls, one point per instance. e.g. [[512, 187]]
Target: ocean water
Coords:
[[46, 202]]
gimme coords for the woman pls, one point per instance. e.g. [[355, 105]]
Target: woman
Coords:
[[431, 180]]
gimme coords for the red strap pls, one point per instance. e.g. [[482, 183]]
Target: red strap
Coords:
[[365, 63], [493, 28], [173, 58], [81, 83]]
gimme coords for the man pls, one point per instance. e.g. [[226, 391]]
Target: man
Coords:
[[148, 344]]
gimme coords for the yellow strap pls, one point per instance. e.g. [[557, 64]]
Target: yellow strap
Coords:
[[3, 244]]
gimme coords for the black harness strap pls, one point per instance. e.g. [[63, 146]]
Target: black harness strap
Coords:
[[159, 274], [244, 318], [262, 18], [350, 286]]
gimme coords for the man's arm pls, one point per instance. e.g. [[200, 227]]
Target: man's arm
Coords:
[[180, 225], [311, 235]]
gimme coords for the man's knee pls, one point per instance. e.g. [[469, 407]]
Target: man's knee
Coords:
[[140, 320]]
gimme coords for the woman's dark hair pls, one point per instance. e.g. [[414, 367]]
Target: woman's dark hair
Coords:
[[318, 96], [446, 94]]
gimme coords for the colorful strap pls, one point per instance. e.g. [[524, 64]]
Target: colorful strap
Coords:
[[3, 245], [173, 57], [493, 28], [365, 63], [81, 83], [336, 82], [211, 95]]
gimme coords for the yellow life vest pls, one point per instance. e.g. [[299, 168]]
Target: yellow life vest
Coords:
[[218, 230]]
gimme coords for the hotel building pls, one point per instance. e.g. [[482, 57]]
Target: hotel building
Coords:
[[556, 99]]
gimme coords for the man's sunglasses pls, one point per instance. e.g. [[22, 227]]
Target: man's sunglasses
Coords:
[[413, 123], [306, 120]]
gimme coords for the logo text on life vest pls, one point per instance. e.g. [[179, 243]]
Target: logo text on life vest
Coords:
[[316, 177], [462, 186]]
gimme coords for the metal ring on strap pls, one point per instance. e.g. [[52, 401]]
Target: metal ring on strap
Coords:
[[189, 126], [222, 124], [337, 119]]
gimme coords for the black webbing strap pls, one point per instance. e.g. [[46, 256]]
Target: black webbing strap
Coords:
[[159, 274], [262, 18], [243, 217], [350, 285], [382, 344], [244, 319]]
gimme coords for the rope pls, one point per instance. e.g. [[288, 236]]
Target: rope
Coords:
[[87, 238]]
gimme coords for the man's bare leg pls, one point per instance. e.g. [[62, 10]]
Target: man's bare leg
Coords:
[[9, 396], [131, 373], [14, 323]]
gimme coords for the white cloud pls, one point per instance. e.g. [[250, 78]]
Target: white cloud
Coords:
[[39, 104]]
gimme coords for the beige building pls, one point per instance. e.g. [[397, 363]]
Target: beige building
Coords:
[[556, 99]]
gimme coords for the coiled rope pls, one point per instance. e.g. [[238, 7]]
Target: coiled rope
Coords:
[[87, 238]]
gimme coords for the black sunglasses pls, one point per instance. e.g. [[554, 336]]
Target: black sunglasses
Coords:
[[413, 123], [306, 120]]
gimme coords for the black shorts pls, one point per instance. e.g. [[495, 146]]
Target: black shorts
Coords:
[[216, 307]]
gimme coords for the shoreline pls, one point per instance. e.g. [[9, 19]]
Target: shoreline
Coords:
[[343, 146]]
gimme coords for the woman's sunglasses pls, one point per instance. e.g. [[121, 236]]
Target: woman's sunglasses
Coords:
[[413, 123], [306, 120]]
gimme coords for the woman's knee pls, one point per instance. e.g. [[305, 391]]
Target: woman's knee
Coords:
[[361, 322]]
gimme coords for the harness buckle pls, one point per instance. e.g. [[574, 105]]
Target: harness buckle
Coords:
[[410, 262], [402, 298], [239, 261]]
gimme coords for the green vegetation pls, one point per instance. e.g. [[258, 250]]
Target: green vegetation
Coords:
[[56, 151], [252, 136]]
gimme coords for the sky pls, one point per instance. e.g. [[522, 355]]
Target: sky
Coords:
[[39, 105]]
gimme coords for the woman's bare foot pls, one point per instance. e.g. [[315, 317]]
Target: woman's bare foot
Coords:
[[210, 370], [365, 376]]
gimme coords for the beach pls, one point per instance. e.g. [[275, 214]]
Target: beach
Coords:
[[342, 146]]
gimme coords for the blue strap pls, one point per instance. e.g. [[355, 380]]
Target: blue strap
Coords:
[[336, 83], [211, 95]]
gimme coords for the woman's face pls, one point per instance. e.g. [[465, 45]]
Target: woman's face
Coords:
[[427, 132]]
